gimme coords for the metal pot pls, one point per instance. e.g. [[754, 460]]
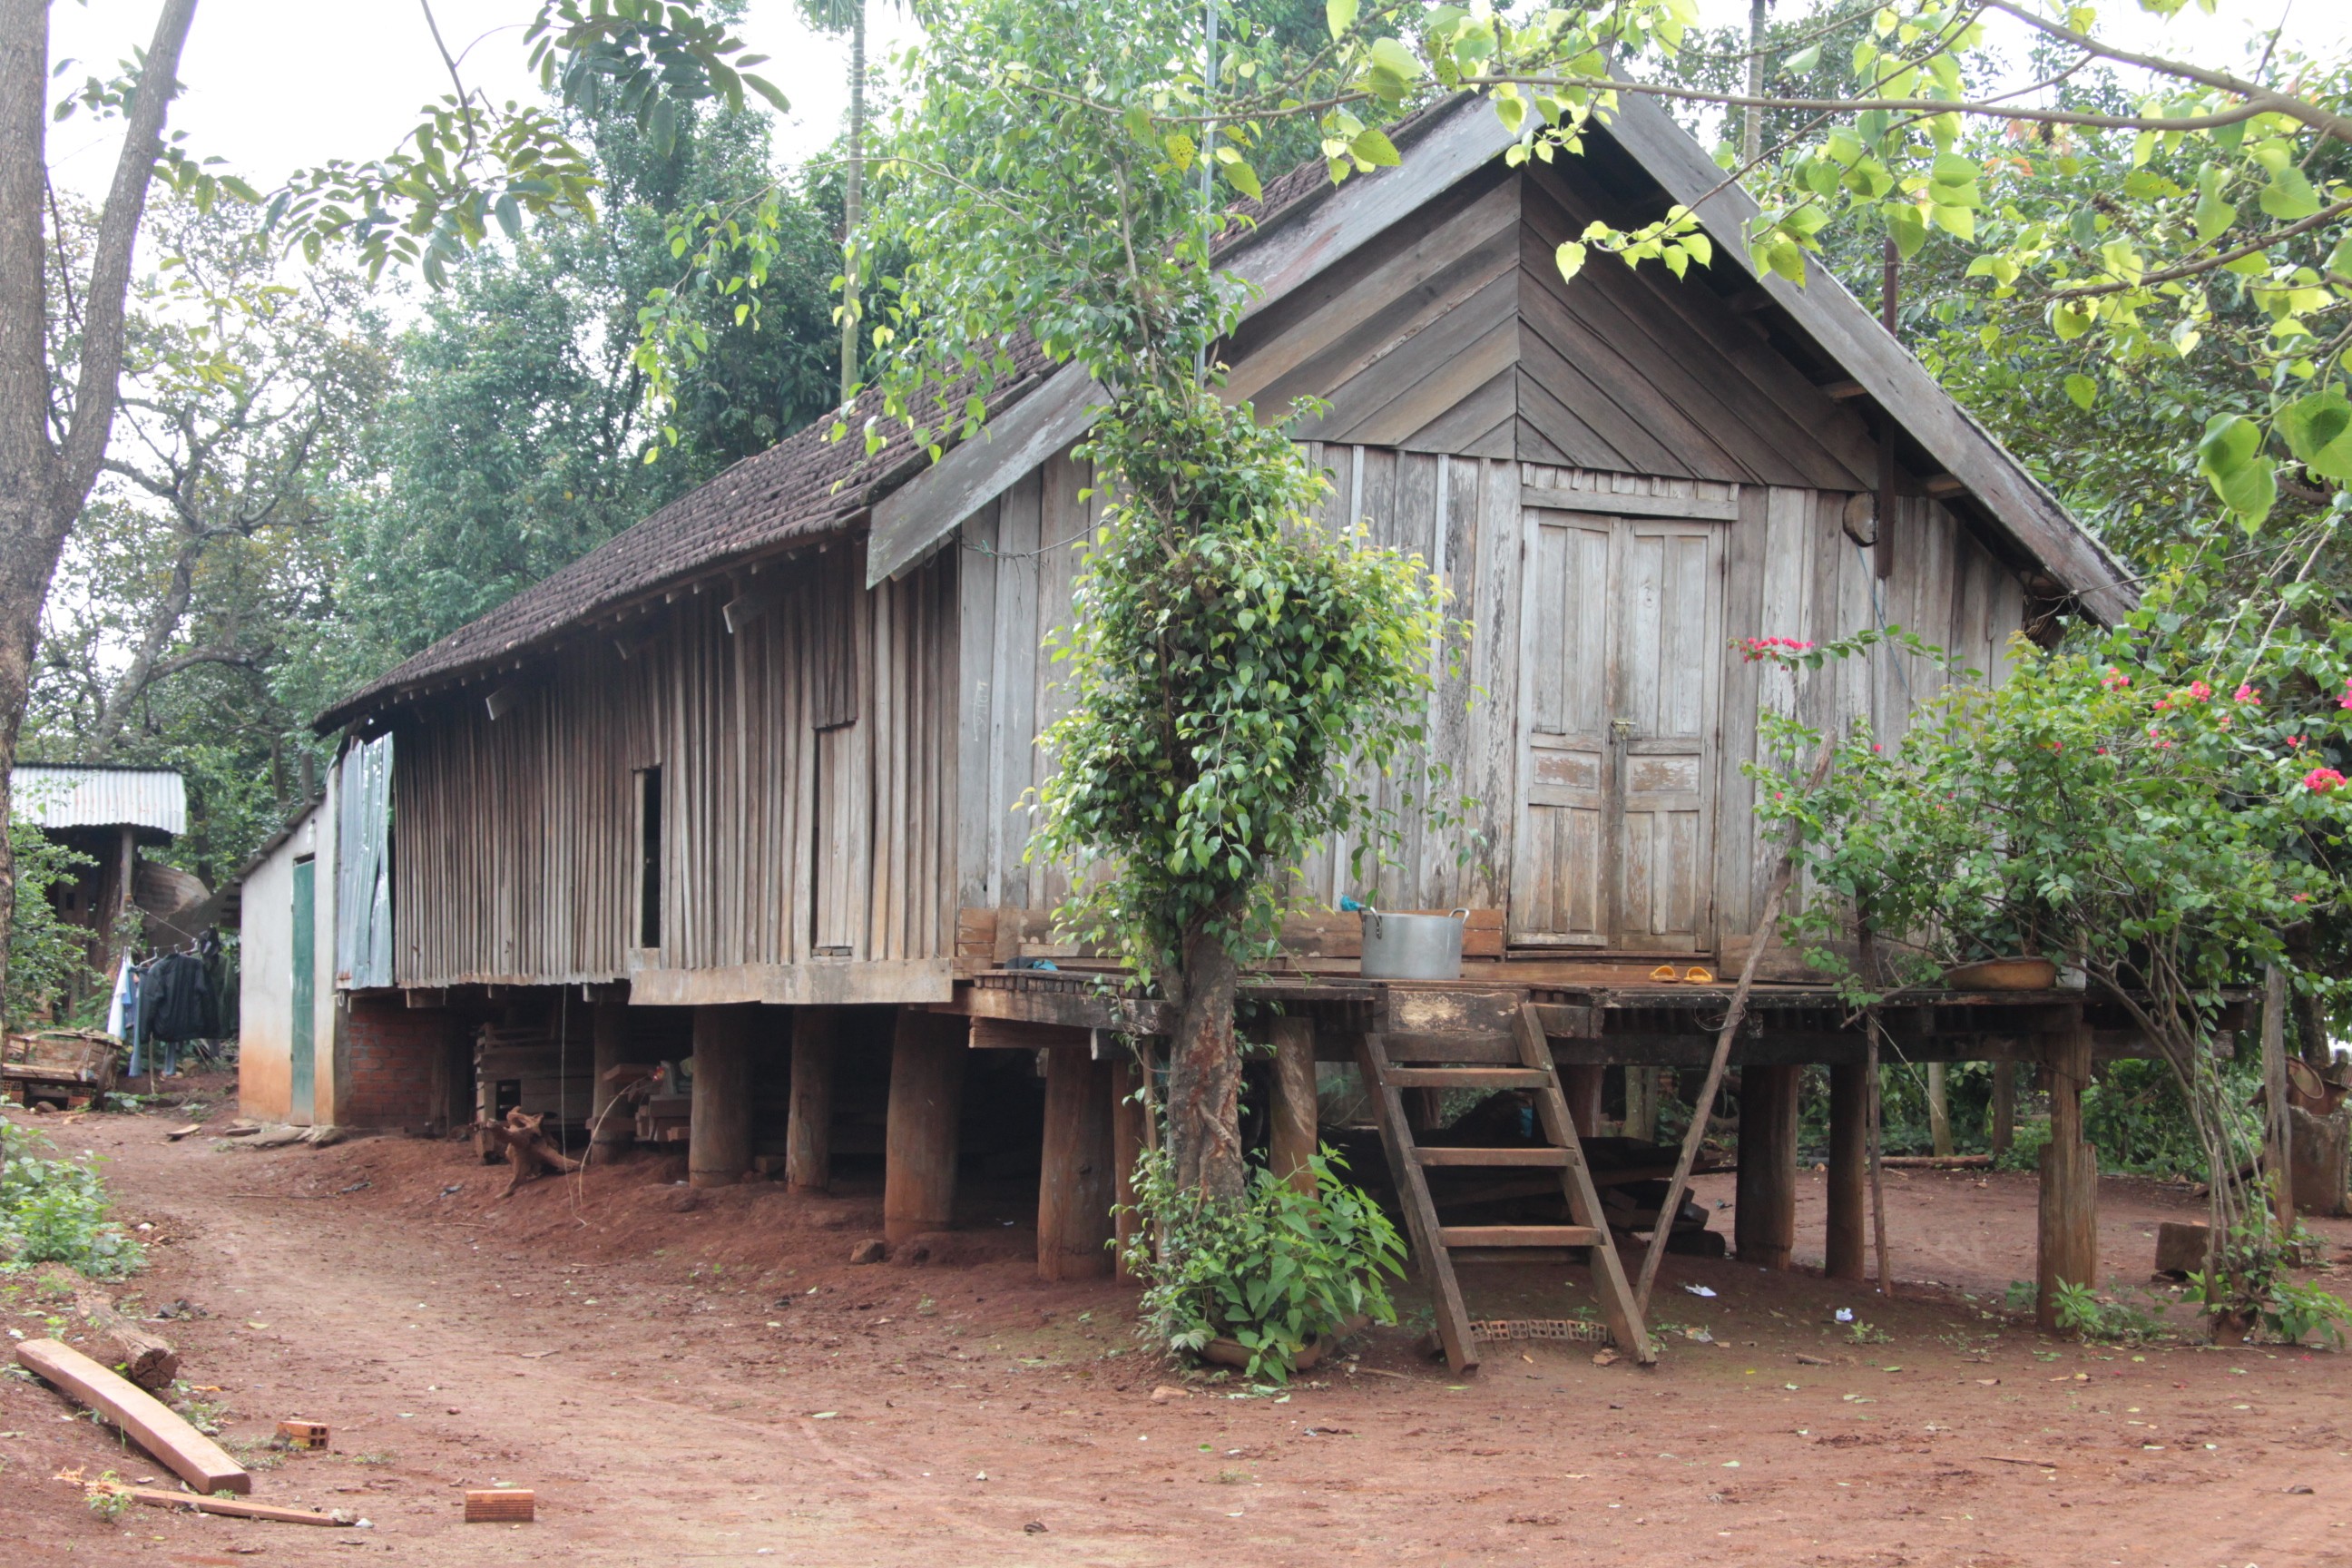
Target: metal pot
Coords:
[[1413, 947]]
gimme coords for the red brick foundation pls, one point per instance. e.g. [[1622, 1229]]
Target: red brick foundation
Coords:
[[397, 1054]]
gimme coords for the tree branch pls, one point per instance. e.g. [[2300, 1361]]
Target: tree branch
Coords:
[[110, 273]]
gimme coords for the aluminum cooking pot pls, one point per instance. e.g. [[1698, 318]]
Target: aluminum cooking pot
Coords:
[[1413, 947]]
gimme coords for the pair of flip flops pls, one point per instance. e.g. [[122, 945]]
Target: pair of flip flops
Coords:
[[1665, 975]]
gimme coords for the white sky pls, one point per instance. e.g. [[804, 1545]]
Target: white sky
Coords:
[[277, 84]]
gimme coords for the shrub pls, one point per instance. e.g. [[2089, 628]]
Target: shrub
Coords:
[[1271, 1272], [55, 1211], [2248, 1289]]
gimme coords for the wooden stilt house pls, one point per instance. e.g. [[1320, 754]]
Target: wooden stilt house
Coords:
[[743, 785]]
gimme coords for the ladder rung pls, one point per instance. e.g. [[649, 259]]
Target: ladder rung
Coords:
[[1469, 1077], [1519, 1235], [1547, 1159]]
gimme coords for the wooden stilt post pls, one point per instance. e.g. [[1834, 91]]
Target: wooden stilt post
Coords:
[[1640, 1102], [1765, 1223], [920, 1137], [1848, 1244], [2003, 1131], [610, 1029], [1075, 1185], [1582, 1085], [1292, 1142], [1127, 1140], [719, 1138], [1939, 1109], [2069, 1211], [808, 1128]]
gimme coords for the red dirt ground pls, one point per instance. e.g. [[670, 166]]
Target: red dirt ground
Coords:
[[715, 1383]]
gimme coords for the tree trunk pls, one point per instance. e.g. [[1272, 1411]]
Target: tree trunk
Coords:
[[1751, 119], [162, 623], [853, 200], [1939, 1109], [43, 484], [1204, 1072]]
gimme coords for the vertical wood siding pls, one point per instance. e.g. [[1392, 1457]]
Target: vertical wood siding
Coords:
[[516, 838]]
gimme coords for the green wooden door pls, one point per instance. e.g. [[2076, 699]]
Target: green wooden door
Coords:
[[301, 1042]]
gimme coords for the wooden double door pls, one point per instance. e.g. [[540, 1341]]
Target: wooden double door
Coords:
[[1621, 661]]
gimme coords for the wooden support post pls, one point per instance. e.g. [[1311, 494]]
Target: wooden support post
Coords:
[[1075, 1186], [719, 1135], [1580, 1086], [1293, 1141], [1127, 1138], [2003, 1131], [609, 1028], [808, 1129], [2278, 1140], [1765, 1223], [1640, 1102], [1848, 1240], [2068, 1227], [920, 1139], [1939, 1111]]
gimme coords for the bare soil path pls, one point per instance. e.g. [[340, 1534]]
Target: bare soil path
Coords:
[[706, 1379]]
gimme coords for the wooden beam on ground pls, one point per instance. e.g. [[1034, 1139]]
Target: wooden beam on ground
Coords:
[[187, 1452], [1846, 1250], [1075, 1187], [808, 1127], [719, 1136], [1293, 1137], [234, 1507], [2067, 1216], [920, 1138], [1764, 1217]]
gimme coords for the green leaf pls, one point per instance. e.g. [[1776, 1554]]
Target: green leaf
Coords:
[[1910, 227], [2212, 215], [1373, 147], [1802, 62], [510, 216], [1951, 169], [1340, 15], [2289, 195], [2071, 321], [2319, 431], [1389, 55], [2083, 390], [1786, 258], [1571, 257], [2230, 454], [1245, 180]]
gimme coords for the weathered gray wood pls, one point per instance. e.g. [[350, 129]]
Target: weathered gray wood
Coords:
[[1706, 508], [1824, 310]]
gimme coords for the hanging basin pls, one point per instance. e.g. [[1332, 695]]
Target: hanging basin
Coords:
[[2004, 975], [1413, 947]]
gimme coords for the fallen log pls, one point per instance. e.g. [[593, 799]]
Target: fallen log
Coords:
[[147, 1360], [234, 1507], [529, 1150], [187, 1452]]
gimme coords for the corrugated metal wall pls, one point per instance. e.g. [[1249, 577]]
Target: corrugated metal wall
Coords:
[[363, 931]]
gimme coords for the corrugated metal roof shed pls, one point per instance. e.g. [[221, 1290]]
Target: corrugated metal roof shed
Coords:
[[58, 795]]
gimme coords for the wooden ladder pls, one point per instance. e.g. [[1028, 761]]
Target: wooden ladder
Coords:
[[1394, 1062]]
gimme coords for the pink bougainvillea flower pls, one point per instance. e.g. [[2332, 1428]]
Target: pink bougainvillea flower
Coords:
[[2115, 679], [2294, 740], [2225, 721], [2320, 781], [2102, 751], [2199, 691], [2246, 695], [2300, 898], [2162, 706]]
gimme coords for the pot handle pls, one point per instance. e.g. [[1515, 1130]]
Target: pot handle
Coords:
[[1462, 914]]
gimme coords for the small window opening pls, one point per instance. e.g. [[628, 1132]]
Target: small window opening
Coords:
[[649, 857]]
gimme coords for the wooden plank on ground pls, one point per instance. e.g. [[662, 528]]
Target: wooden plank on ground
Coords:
[[188, 1453], [232, 1508]]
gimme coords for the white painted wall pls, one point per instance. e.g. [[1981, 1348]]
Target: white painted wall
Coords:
[[266, 987]]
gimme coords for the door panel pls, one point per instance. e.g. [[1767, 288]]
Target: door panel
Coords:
[[302, 1040], [1620, 653], [1559, 889]]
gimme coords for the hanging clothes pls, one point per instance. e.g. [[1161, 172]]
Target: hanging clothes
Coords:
[[120, 1010], [176, 1003]]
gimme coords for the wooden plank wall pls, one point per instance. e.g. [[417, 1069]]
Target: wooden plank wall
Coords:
[[516, 836], [1790, 570]]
